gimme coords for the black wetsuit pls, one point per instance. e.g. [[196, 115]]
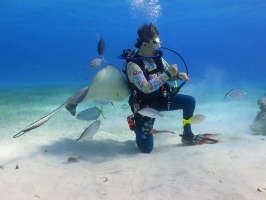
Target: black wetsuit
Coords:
[[144, 138]]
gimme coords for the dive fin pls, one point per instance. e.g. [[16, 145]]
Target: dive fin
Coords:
[[205, 138]]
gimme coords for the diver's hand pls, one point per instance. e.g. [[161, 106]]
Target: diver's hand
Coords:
[[173, 70], [183, 76]]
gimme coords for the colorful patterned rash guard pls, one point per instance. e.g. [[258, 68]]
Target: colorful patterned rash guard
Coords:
[[137, 77]]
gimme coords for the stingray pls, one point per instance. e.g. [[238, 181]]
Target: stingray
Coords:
[[107, 84]]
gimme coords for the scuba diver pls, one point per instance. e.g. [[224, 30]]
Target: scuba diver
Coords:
[[147, 74]]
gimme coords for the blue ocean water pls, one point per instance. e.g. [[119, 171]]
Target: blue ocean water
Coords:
[[51, 42], [45, 48]]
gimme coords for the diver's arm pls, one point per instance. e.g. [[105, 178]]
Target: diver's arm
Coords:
[[179, 76], [167, 66], [136, 76], [182, 76]]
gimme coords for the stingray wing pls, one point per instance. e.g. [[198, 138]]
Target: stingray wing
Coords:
[[75, 99], [108, 84]]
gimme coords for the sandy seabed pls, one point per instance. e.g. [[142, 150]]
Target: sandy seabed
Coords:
[[49, 163]]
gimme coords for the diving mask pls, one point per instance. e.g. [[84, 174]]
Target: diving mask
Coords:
[[157, 42]]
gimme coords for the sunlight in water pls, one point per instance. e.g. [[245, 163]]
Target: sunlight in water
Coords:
[[149, 9]]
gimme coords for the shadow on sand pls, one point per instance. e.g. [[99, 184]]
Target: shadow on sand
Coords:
[[91, 150]]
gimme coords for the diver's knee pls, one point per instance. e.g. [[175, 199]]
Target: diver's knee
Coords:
[[146, 150], [192, 101]]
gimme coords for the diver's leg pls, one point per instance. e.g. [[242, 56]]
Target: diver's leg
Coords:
[[187, 104], [144, 138]]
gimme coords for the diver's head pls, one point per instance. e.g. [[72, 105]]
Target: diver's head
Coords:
[[148, 40]]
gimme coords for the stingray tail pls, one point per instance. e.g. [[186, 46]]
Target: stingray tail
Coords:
[[19, 134]]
